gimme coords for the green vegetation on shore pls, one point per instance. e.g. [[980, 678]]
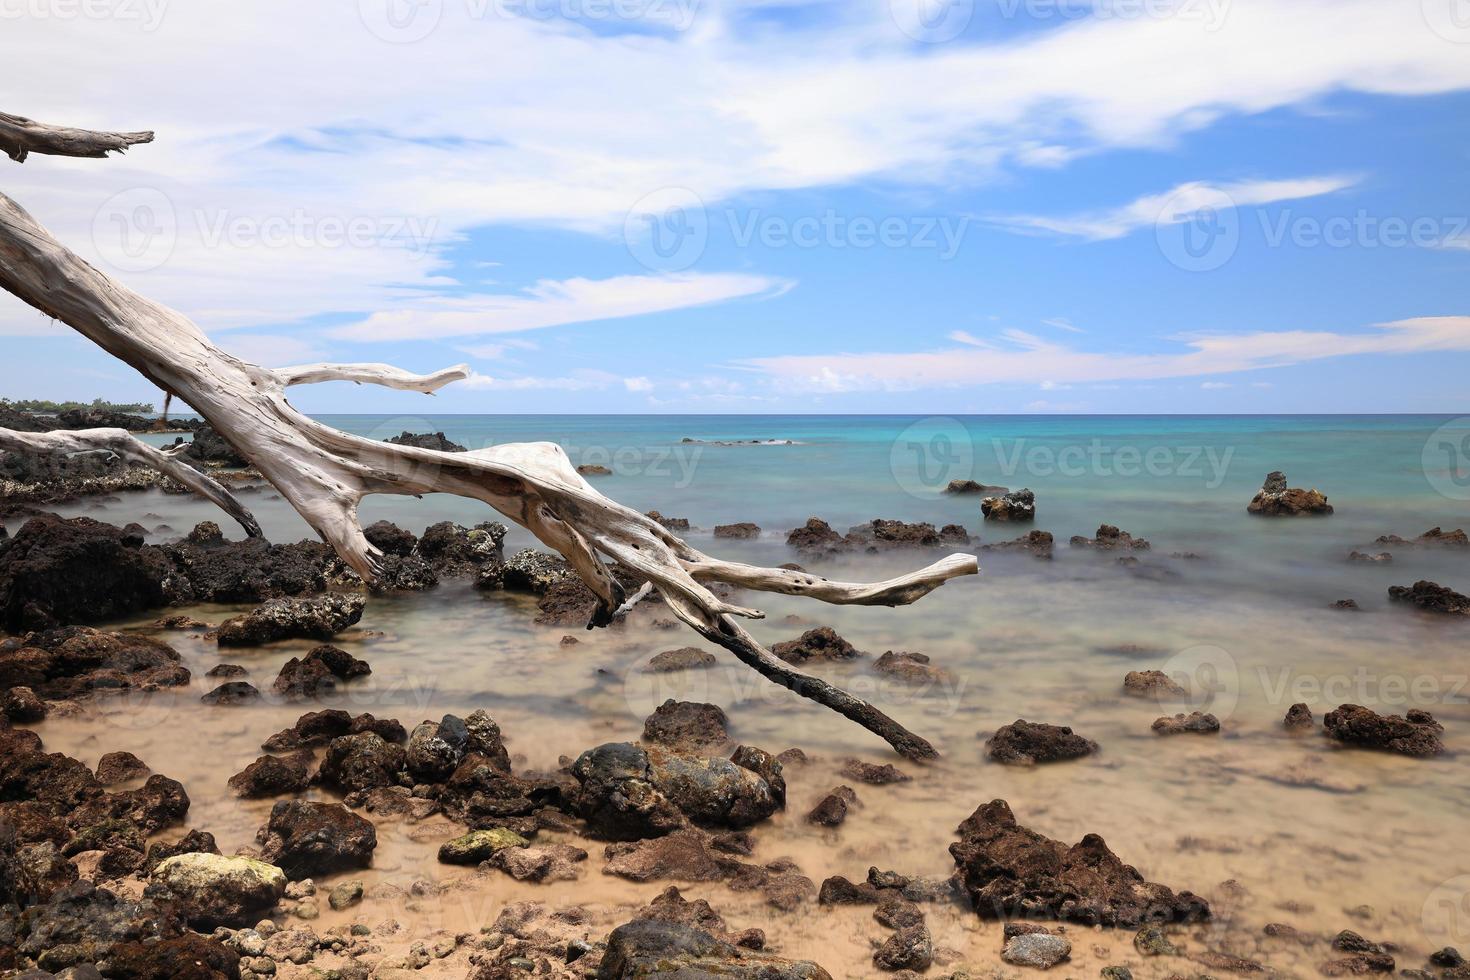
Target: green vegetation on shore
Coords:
[[43, 405]]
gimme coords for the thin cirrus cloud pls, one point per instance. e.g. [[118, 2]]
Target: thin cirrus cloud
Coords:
[[553, 303], [1177, 204], [1030, 362]]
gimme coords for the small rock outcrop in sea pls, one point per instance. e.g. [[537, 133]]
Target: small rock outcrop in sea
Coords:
[[1298, 716], [426, 440], [1276, 499], [1152, 683], [872, 773], [213, 890], [1017, 505], [822, 643], [1415, 734], [1197, 722], [1009, 871], [273, 775], [648, 948], [1039, 544], [319, 727], [208, 446], [77, 660], [594, 469], [317, 618], [668, 523], [319, 672], [1347, 604], [687, 725], [628, 792], [684, 658], [1382, 556], [816, 538], [831, 810], [912, 668], [1432, 538], [960, 487], [1431, 597], [306, 839], [1109, 538], [1025, 743], [742, 530]]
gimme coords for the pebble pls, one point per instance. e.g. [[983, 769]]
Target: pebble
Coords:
[[1036, 949]]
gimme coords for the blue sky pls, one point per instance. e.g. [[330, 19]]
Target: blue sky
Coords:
[[905, 206]]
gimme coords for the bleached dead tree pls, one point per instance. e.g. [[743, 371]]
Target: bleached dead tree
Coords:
[[325, 473]]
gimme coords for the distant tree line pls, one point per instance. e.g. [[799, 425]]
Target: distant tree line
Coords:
[[50, 407]]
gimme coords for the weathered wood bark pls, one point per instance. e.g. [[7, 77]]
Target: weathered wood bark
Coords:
[[122, 443], [20, 136], [325, 473]]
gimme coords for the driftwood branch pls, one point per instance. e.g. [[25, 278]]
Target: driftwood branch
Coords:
[[121, 443], [325, 473], [20, 136]]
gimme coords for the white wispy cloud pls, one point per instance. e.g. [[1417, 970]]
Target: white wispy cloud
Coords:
[[1057, 364], [1177, 204], [553, 303]]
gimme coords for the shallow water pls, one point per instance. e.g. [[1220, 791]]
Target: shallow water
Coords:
[[1246, 625]]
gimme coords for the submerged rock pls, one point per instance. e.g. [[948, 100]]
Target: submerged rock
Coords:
[[1017, 505], [1431, 597], [214, 890], [831, 810], [741, 530], [684, 658], [1109, 538], [232, 693], [1039, 544], [970, 486], [1298, 716], [1024, 743], [1432, 538], [1418, 734], [317, 618], [873, 775], [914, 668], [1276, 499], [1196, 721], [1010, 871], [821, 643], [77, 660], [1152, 683]]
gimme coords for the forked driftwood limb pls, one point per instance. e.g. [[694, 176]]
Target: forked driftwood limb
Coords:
[[325, 473], [122, 443], [20, 136]]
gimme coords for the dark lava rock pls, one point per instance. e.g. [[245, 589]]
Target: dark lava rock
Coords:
[[319, 672], [1109, 538], [22, 706], [116, 768], [320, 727], [1298, 716], [206, 534], [360, 762], [232, 693], [831, 810], [272, 775], [1432, 538], [1347, 604], [317, 618], [1010, 871], [391, 539], [687, 725], [1275, 499], [684, 658], [817, 538], [1196, 721], [628, 792], [873, 775], [1039, 544], [189, 956], [194, 842], [226, 670], [83, 924], [1018, 505], [1432, 597], [426, 440], [1152, 683], [649, 948], [435, 749], [308, 839], [1024, 743], [880, 534], [821, 643], [530, 571], [668, 523], [671, 906], [909, 948], [208, 446], [1418, 734], [56, 571], [77, 660], [486, 740], [453, 550], [252, 570], [742, 530], [594, 469]]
